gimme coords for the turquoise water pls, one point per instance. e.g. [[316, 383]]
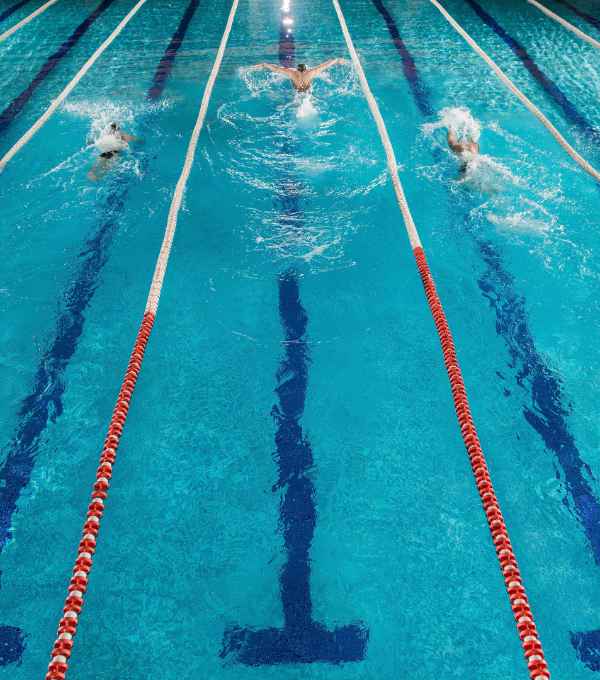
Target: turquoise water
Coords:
[[290, 222]]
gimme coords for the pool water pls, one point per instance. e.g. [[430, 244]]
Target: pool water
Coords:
[[292, 498]]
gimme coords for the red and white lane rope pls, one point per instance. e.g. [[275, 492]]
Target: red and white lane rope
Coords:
[[67, 627], [45, 117], [508, 83], [566, 24], [532, 647], [26, 20]]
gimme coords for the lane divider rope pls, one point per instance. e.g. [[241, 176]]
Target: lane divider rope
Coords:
[[45, 117], [26, 20], [568, 25], [526, 628], [67, 627], [580, 160]]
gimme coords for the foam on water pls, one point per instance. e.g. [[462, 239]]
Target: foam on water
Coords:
[[101, 113], [488, 175], [306, 110], [458, 119], [304, 157]]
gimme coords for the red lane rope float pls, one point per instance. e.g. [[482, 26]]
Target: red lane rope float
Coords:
[[538, 668], [534, 654], [67, 626]]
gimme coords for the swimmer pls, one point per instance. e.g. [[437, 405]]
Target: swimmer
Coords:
[[301, 76], [466, 150], [109, 155]]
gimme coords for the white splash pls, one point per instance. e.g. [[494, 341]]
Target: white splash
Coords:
[[306, 108], [486, 174], [101, 113], [458, 119]]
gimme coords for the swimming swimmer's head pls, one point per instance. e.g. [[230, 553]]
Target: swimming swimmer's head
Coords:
[[301, 67], [114, 127]]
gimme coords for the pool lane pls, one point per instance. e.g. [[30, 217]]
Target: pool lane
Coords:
[[11, 10], [569, 110], [45, 402], [18, 103], [301, 639], [588, 18], [409, 66], [547, 413]]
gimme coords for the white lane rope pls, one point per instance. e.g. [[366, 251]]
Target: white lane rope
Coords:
[[580, 160], [165, 250], [43, 119], [568, 25], [409, 223], [26, 20]]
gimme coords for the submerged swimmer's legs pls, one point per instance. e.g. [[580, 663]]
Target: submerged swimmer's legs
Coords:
[[104, 163]]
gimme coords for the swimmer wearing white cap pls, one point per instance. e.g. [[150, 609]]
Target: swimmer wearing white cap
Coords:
[[117, 140]]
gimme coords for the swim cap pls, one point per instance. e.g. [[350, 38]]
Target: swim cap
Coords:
[[301, 67]]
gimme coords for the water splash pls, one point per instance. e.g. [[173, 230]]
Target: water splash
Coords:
[[306, 110], [457, 119]]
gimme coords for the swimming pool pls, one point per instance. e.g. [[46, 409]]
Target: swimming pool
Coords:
[[291, 453]]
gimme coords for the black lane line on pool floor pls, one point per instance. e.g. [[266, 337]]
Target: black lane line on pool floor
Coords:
[[302, 640], [44, 403], [547, 414], [11, 10], [592, 21], [18, 103]]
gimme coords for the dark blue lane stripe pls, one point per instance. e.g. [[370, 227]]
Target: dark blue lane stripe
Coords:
[[547, 413], [302, 640], [570, 111], [11, 10], [165, 67], [409, 67], [583, 15], [44, 403], [17, 104]]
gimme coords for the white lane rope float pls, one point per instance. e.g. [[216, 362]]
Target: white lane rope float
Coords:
[[163, 257], [45, 117], [67, 627], [566, 24], [26, 20], [526, 629], [413, 235], [580, 160]]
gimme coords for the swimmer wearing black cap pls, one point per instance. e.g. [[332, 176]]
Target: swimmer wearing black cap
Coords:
[[301, 76]]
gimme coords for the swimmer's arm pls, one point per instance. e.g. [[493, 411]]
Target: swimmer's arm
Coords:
[[271, 67], [317, 70], [129, 138], [453, 142]]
